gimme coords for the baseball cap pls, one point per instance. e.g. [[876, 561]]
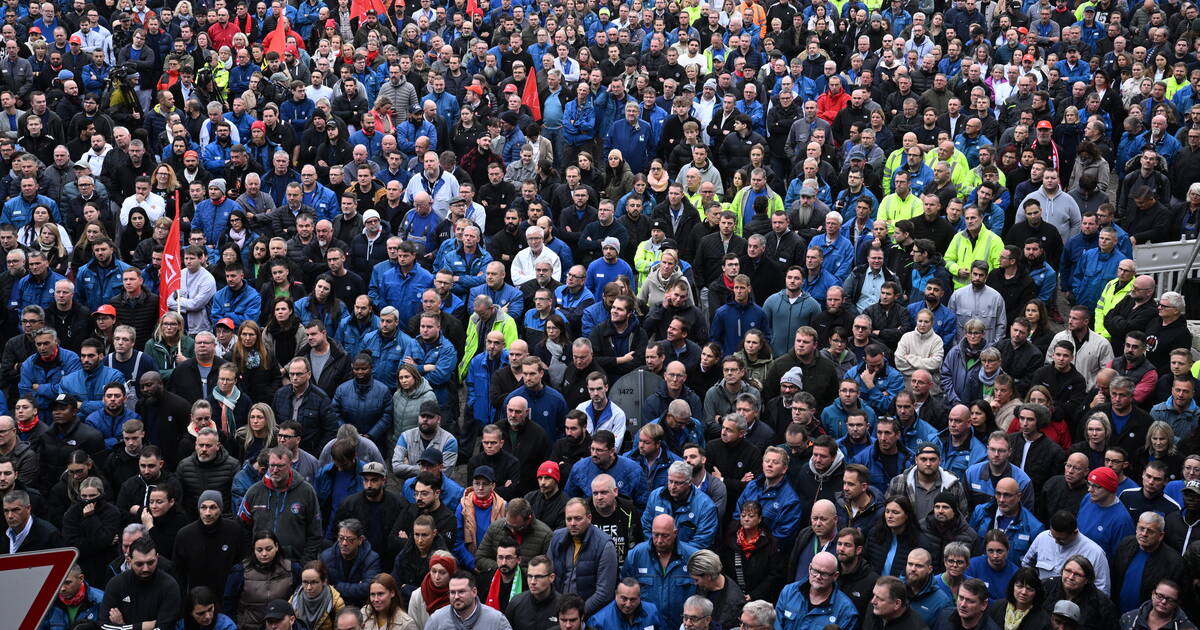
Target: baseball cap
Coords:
[[75, 39], [374, 468], [64, 399], [34, 29], [63, 75], [1068, 609], [105, 309], [191, 153], [278, 609], [485, 472], [1193, 485], [476, 89], [430, 408], [549, 469], [227, 322], [1045, 124], [431, 455], [511, 88], [927, 447]]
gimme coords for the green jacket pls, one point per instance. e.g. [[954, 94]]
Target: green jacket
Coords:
[[962, 252], [166, 356], [774, 203], [503, 322]]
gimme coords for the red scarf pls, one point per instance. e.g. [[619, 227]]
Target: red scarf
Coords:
[[749, 544], [483, 503], [76, 599], [28, 425], [728, 281], [436, 597]]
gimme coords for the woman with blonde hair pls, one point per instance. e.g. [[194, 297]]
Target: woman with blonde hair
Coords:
[[259, 378], [259, 432], [1160, 447], [54, 242], [1097, 432], [170, 346], [384, 610]]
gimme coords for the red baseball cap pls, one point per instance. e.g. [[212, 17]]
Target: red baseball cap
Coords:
[[227, 322], [191, 153], [511, 87], [105, 309], [1044, 124]]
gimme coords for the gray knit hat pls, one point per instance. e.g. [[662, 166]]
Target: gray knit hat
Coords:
[[211, 495]]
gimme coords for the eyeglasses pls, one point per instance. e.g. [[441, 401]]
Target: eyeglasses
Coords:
[[287, 437], [820, 573], [1163, 598], [691, 618]]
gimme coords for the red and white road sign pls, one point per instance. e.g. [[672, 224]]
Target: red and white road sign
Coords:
[[30, 582]]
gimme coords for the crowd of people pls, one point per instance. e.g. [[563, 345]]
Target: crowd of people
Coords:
[[327, 315]]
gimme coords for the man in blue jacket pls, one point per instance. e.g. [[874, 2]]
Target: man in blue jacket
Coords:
[[236, 301], [579, 123], [87, 384], [351, 563], [212, 214], [660, 566], [694, 512], [36, 287], [604, 459], [100, 280], [632, 138], [734, 319], [43, 371], [404, 283], [1008, 515], [628, 611], [781, 508], [817, 602], [434, 356]]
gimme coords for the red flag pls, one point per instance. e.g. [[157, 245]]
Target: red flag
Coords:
[[278, 37], [530, 97], [473, 8], [170, 274], [359, 8]]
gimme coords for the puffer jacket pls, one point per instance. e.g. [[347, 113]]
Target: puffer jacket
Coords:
[[591, 573], [387, 353], [196, 476], [249, 588], [955, 375], [367, 406], [405, 407], [88, 387]]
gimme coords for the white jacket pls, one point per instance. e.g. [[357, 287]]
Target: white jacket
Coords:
[[919, 352], [193, 298], [523, 265]]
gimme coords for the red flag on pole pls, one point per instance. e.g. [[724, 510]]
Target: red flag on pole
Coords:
[[473, 8], [530, 97], [170, 274], [278, 37], [359, 8]]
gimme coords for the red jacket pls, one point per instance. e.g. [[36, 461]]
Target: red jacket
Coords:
[[829, 104]]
